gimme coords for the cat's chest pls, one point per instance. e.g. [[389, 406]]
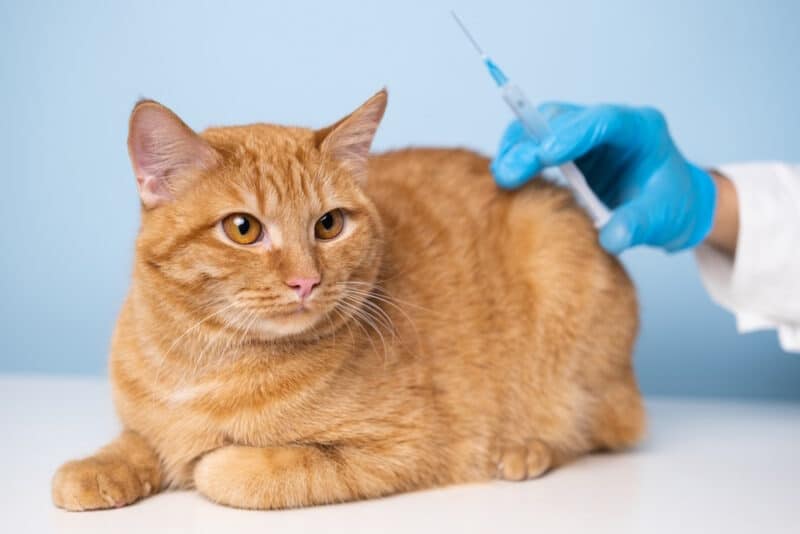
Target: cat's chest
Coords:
[[254, 414]]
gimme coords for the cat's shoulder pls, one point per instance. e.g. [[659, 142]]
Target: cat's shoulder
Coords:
[[427, 157]]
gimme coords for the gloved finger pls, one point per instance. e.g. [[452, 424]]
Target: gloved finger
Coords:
[[517, 165], [630, 225], [553, 109], [517, 159], [583, 131], [514, 133], [558, 114]]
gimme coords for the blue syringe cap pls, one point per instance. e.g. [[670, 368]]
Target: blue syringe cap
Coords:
[[495, 72]]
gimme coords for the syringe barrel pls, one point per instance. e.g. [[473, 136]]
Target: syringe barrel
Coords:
[[538, 130], [528, 115], [577, 182]]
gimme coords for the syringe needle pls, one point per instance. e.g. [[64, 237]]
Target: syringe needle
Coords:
[[538, 130], [466, 32]]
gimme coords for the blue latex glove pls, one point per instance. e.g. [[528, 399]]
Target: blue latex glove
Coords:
[[632, 164]]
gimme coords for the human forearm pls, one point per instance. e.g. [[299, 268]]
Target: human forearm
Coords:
[[725, 230]]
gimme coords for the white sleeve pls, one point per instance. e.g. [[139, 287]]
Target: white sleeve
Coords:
[[761, 285]]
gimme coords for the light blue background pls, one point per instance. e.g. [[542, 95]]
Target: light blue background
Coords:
[[725, 73]]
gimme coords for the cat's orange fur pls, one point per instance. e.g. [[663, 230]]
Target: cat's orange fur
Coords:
[[483, 334]]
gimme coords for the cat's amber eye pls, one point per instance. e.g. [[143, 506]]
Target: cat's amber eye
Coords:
[[329, 225], [242, 228]]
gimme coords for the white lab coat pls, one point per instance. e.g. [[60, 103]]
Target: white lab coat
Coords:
[[761, 285]]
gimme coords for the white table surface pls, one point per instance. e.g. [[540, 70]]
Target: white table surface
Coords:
[[706, 466]]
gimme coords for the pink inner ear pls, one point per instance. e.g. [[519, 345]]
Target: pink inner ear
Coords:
[[350, 140], [163, 153]]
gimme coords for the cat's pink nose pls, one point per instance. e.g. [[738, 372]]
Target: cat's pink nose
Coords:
[[303, 286]]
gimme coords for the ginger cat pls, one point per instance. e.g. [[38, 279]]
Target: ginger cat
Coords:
[[308, 323]]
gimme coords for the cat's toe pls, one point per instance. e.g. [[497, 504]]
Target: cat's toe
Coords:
[[93, 484], [524, 462], [539, 458], [513, 464]]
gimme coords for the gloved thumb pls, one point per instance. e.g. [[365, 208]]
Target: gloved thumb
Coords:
[[628, 227]]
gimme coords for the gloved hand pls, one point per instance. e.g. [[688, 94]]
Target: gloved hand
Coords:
[[632, 164]]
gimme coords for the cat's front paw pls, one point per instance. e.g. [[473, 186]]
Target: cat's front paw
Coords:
[[265, 478], [223, 475], [96, 483]]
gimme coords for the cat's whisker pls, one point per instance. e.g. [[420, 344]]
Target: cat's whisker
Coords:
[[363, 315], [197, 325], [229, 322], [198, 358], [254, 316], [366, 287], [357, 315], [195, 357], [162, 359], [373, 309], [231, 340], [381, 317], [347, 323], [210, 343], [388, 300], [243, 326], [256, 294], [384, 299], [333, 327]]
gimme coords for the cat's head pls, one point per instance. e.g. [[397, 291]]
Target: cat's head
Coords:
[[265, 227]]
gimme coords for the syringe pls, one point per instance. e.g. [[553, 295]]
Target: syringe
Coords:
[[537, 129]]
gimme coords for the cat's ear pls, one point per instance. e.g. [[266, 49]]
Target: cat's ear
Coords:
[[348, 140], [165, 153]]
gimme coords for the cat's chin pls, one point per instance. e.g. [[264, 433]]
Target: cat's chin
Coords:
[[285, 325]]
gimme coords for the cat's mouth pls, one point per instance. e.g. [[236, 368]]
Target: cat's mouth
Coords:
[[286, 319], [295, 310], [272, 316]]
